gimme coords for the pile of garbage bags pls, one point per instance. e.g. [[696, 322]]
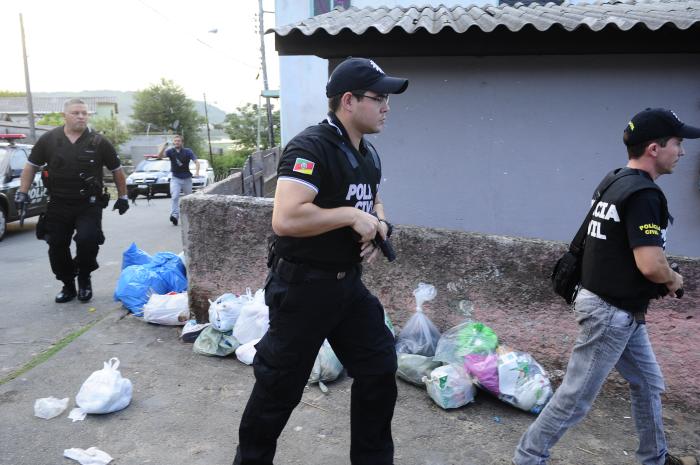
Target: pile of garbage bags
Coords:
[[143, 275], [466, 356]]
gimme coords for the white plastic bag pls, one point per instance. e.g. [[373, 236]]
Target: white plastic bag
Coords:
[[105, 390], [326, 368], [168, 309], [254, 319], [450, 386], [213, 342], [91, 456], [412, 368], [246, 352], [49, 407], [522, 381], [224, 311], [419, 335]]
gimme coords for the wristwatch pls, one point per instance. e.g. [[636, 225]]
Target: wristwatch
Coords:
[[389, 227]]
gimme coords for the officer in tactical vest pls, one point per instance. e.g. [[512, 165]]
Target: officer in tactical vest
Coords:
[[74, 156], [624, 266], [327, 190]]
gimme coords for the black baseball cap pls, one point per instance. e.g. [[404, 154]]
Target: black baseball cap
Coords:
[[655, 123], [362, 74]]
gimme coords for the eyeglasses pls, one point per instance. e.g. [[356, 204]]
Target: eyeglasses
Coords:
[[380, 99]]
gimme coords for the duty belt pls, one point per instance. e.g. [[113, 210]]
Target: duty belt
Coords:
[[297, 272]]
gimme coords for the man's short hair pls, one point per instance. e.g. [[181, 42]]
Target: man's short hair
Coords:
[[636, 151], [176, 136], [72, 101], [334, 102]]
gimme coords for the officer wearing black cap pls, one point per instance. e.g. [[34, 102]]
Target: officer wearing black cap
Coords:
[[623, 267], [327, 193], [74, 156]]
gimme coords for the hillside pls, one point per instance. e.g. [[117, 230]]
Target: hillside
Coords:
[[125, 101]]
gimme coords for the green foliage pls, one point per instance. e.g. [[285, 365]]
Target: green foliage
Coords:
[[242, 126], [12, 93], [114, 130], [231, 158], [51, 119], [166, 108]]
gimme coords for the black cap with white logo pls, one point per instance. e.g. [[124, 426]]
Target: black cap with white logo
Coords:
[[362, 74], [655, 123]]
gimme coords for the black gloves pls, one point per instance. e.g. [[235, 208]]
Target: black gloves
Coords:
[[21, 200], [122, 205]]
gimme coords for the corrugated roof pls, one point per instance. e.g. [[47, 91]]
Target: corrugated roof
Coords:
[[622, 15], [18, 105]]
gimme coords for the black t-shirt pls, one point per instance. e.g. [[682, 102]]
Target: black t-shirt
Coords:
[[49, 143], [321, 158], [643, 219]]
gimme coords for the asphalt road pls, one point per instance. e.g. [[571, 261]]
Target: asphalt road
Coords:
[[31, 320]]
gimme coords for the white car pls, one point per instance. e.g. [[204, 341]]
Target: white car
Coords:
[[206, 174]]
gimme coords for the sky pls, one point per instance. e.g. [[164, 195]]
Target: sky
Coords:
[[127, 45]]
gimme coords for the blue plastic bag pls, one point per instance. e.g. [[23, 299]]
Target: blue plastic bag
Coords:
[[134, 256], [164, 273]]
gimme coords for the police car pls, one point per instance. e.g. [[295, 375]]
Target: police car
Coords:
[[13, 157], [153, 174]]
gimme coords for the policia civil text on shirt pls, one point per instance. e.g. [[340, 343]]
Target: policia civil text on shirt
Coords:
[[74, 156], [623, 267], [328, 187]]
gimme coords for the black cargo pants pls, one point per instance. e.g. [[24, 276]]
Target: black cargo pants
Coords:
[[63, 217], [322, 306]]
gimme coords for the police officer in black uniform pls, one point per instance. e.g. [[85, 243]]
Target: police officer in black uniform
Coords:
[[328, 178], [624, 266], [74, 156]]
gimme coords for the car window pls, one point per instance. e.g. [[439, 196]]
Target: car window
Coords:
[[18, 160], [153, 165]]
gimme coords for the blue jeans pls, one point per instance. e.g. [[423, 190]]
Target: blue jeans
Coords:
[[608, 337], [176, 186]]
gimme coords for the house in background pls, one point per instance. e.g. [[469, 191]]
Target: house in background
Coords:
[[513, 113], [14, 109]]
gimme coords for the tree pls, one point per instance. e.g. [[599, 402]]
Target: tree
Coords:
[[164, 107], [113, 129], [242, 126], [51, 119], [12, 93]]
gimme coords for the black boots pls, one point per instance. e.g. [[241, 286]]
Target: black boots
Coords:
[[68, 292], [84, 288], [173, 220]]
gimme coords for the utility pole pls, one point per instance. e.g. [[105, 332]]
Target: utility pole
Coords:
[[270, 128], [30, 104], [206, 117]]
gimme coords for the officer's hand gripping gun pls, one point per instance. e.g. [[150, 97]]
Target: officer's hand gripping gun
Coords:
[[663, 290], [21, 201], [384, 244]]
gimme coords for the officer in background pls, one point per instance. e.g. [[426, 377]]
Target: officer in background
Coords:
[[181, 176], [328, 179], [74, 156], [624, 266]]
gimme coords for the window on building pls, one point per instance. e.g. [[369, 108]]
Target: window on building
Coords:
[[324, 6]]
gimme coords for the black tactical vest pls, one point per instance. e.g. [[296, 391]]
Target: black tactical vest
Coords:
[[609, 268], [75, 170], [344, 166]]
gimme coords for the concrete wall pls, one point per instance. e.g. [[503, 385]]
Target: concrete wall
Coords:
[[502, 281], [516, 145]]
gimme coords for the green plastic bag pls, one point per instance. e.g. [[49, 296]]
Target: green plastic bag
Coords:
[[215, 343], [412, 368], [464, 339]]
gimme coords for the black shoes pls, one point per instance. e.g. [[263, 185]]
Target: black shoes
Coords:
[[673, 460], [67, 293], [173, 219], [84, 289]]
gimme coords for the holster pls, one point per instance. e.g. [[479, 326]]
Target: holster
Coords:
[[41, 228], [104, 198]]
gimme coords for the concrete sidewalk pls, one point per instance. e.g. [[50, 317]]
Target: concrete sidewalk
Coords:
[[186, 409]]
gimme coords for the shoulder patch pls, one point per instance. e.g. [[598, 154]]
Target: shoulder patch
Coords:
[[304, 166]]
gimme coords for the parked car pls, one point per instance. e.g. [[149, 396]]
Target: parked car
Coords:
[[13, 157], [150, 174], [206, 174]]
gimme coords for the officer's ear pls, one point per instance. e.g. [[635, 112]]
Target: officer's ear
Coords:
[[346, 100]]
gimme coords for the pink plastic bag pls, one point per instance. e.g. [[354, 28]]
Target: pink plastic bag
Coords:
[[484, 369]]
